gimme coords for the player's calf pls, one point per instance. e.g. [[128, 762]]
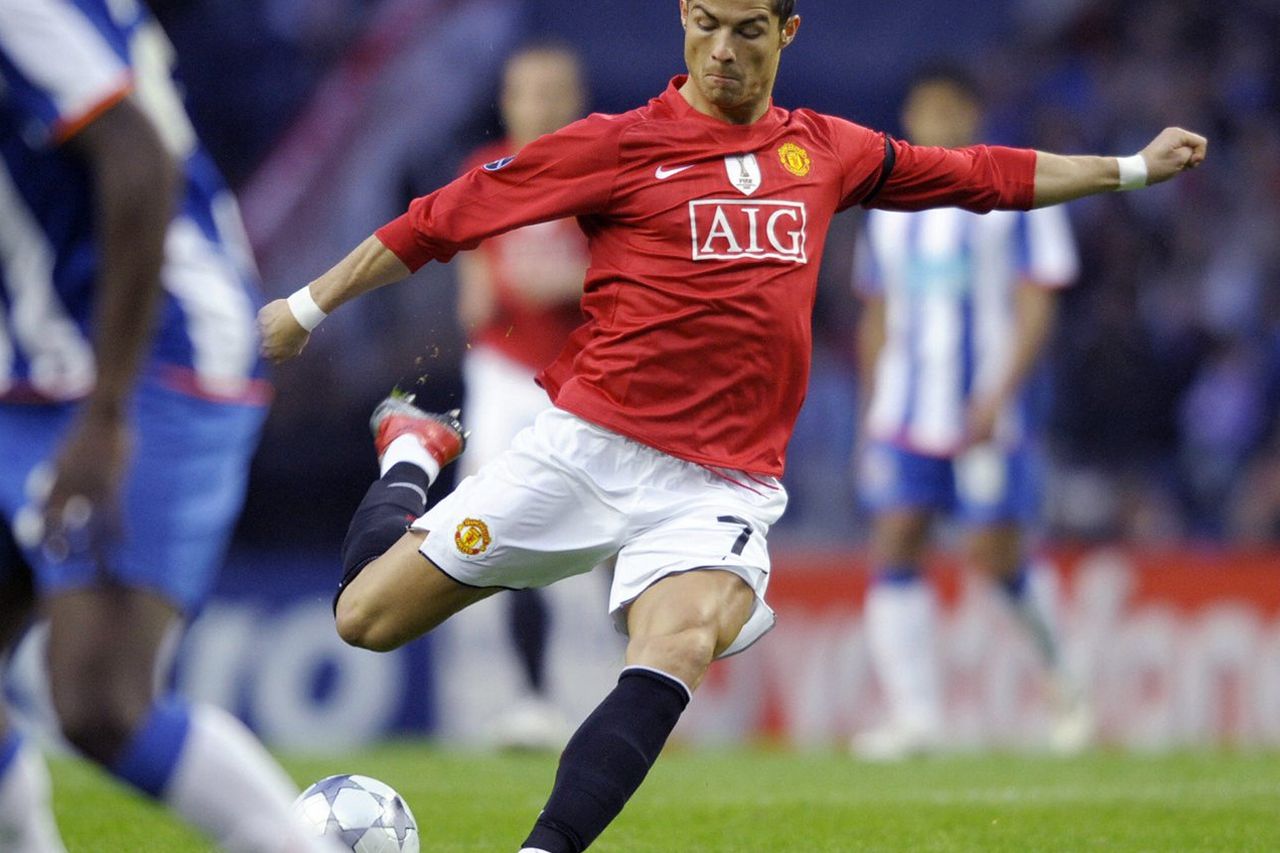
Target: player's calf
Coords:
[[412, 447]]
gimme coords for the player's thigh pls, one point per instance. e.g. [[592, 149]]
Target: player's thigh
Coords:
[[104, 645], [683, 622], [696, 527], [400, 596], [536, 514]]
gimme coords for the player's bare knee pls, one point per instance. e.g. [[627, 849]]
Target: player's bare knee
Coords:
[[685, 654], [363, 625]]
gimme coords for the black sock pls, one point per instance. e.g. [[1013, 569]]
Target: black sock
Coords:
[[607, 758], [392, 503], [529, 623]]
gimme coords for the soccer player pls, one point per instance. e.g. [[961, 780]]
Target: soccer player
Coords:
[[518, 303], [705, 213], [957, 310], [131, 399]]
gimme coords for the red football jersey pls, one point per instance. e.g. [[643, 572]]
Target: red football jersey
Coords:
[[521, 329], [705, 240]]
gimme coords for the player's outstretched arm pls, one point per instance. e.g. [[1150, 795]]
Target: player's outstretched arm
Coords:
[[1061, 178], [285, 325]]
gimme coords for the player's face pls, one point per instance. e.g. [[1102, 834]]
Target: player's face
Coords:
[[941, 113], [732, 48], [541, 92]]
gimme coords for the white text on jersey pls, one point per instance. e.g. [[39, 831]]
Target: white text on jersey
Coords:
[[730, 230]]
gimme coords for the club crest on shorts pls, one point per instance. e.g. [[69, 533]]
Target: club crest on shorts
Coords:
[[472, 537], [795, 159]]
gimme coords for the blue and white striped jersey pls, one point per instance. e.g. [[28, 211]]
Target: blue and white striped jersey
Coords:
[[949, 278], [62, 63]]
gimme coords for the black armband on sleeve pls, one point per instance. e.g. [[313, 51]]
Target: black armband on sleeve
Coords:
[[886, 170]]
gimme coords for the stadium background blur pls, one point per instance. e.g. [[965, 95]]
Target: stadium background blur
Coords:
[[329, 115]]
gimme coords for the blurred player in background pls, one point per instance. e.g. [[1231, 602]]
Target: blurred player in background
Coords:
[[518, 303], [706, 212], [131, 399], [957, 310]]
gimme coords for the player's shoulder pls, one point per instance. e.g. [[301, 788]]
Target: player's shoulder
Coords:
[[599, 127], [634, 120], [831, 127]]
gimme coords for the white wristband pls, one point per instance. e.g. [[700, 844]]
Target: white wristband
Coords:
[[305, 310], [1133, 172]]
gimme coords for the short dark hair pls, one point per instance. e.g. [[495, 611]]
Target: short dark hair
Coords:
[[784, 9]]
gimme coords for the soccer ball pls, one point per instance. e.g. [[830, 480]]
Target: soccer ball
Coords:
[[366, 815]]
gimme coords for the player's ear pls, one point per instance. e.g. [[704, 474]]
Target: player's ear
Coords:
[[789, 30], [684, 14]]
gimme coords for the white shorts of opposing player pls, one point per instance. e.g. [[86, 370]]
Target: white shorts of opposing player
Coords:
[[569, 495]]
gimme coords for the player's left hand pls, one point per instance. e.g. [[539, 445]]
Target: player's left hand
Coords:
[[1174, 150], [82, 510], [283, 337]]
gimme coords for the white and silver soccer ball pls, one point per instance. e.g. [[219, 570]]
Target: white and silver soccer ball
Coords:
[[366, 815]]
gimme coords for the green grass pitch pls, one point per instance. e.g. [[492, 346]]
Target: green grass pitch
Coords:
[[767, 800]]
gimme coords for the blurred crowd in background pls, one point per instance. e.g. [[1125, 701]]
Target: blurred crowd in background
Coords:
[[329, 115]]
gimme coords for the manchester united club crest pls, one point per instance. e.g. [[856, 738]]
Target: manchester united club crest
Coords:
[[744, 172], [472, 537], [795, 159]]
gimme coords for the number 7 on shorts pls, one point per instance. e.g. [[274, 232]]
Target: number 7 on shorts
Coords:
[[741, 542]]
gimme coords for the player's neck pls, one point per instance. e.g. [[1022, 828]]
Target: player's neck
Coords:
[[748, 114]]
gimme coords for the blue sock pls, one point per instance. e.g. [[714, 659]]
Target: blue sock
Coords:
[[1015, 585], [149, 759], [9, 748], [1017, 588], [898, 575], [607, 758]]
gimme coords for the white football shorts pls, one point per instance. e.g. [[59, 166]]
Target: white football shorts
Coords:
[[569, 495]]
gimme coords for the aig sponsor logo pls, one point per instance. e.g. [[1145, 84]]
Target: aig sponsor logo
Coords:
[[730, 230]]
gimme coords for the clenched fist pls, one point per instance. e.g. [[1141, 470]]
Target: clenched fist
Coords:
[[1174, 150], [282, 336]]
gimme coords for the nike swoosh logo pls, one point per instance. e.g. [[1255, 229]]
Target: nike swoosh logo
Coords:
[[665, 172]]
